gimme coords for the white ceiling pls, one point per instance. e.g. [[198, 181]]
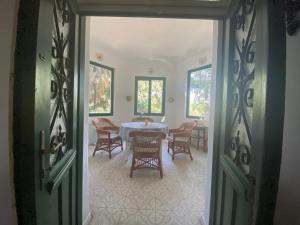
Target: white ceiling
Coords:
[[152, 38]]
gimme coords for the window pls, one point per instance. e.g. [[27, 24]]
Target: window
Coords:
[[101, 88], [150, 96], [198, 92]]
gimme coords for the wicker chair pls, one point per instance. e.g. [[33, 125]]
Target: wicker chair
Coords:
[[107, 136], [179, 139], [142, 119], [146, 146]]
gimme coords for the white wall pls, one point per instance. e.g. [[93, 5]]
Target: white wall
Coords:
[[288, 202], [176, 72], [127, 68], [205, 218], [192, 61], [288, 199], [125, 71], [7, 37], [86, 215]]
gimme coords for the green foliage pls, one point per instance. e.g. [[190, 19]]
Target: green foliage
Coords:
[[142, 96], [100, 90], [198, 109], [199, 92], [156, 96], [150, 95]]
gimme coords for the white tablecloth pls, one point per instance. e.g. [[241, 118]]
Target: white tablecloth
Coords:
[[126, 128]]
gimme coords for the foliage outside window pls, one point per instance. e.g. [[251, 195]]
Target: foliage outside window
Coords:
[[149, 96], [100, 90], [198, 92]]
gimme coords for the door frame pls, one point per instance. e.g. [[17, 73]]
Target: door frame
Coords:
[[202, 10], [207, 11], [157, 8], [219, 11]]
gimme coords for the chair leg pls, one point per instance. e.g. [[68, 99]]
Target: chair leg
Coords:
[[173, 151], [205, 145], [95, 149], [121, 144], [131, 169], [160, 168], [190, 153], [109, 150]]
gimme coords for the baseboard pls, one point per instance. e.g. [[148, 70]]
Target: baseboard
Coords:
[[87, 219], [202, 220]]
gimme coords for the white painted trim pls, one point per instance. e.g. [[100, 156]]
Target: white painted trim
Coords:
[[202, 220], [88, 219]]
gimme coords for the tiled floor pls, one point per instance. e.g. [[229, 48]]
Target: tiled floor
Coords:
[[177, 199]]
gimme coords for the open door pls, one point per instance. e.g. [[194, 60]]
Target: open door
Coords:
[[249, 138], [45, 114], [251, 81]]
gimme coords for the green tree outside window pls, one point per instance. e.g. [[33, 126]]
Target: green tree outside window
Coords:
[[100, 90], [198, 92], [149, 96]]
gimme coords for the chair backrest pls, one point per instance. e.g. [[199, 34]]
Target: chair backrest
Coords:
[[142, 119], [102, 123], [146, 141], [188, 126], [184, 136]]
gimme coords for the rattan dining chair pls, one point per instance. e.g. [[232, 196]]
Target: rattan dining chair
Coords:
[[179, 139], [108, 137], [146, 146], [142, 119]]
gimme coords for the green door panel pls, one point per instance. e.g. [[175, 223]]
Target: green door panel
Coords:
[[44, 114], [234, 206], [252, 80]]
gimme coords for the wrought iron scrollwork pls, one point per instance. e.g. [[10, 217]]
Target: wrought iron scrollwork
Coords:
[[292, 8], [242, 151], [241, 90], [61, 79]]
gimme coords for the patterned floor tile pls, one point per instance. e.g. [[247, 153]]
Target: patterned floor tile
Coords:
[[137, 217], [145, 198], [168, 217], [105, 216]]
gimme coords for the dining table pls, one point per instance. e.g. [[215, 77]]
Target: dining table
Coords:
[[127, 127]]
